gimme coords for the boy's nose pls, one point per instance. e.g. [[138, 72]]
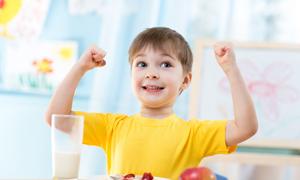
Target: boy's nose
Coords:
[[152, 76]]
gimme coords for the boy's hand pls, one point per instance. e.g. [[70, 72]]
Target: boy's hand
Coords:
[[91, 58], [225, 55]]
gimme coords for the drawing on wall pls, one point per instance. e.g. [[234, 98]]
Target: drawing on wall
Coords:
[[37, 67], [269, 85], [272, 78], [22, 19]]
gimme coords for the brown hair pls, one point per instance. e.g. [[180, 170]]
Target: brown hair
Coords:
[[165, 39]]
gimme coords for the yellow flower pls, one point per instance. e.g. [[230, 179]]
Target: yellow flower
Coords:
[[43, 66]]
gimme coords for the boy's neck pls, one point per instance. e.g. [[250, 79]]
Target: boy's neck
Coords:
[[156, 113]]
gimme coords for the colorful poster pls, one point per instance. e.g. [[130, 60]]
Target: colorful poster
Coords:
[[37, 67], [22, 19]]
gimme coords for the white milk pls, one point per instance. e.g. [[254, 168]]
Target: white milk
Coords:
[[66, 164]]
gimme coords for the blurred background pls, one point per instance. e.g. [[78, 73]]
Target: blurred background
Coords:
[[41, 39]]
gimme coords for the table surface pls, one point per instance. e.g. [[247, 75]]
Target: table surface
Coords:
[[102, 177], [98, 177], [106, 177]]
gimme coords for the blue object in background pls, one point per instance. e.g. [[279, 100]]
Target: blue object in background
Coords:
[[220, 177]]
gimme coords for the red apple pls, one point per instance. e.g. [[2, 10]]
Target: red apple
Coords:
[[2, 3], [198, 173]]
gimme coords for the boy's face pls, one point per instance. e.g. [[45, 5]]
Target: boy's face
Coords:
[[157, 78]]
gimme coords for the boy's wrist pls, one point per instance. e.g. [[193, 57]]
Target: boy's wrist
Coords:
[[79, 69], [232, 71]]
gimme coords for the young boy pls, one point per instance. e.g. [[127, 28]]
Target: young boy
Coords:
[[156, 140]]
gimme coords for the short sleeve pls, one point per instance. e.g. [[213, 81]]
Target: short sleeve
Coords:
[[211, 137], [95, 129]]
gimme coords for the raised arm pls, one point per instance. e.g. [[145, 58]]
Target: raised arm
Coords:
[[245, 123], [62, 99]]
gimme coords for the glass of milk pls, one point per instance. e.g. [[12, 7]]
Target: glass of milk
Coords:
[[66, 141]]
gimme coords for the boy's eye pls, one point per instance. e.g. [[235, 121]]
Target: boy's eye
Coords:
[[141, 64], [166, 64]]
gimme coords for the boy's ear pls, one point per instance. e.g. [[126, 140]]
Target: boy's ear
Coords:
[[187, 80]]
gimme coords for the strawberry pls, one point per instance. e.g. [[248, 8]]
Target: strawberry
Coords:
[[147, 176], [129, 177]]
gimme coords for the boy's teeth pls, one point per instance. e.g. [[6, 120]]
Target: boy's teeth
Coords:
[[152, 87]]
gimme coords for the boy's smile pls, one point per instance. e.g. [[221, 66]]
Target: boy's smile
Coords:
[[153, 88], [157, 78]]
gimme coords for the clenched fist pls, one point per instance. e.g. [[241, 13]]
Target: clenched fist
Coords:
[[91, 58], [225, 56]]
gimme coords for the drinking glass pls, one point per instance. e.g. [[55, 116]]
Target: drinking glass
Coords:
[[66, 141]]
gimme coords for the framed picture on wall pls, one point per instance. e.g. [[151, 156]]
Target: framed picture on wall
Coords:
[[271, 74], [37, 66]]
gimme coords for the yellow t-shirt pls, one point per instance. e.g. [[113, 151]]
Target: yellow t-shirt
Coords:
[[164, 147]]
